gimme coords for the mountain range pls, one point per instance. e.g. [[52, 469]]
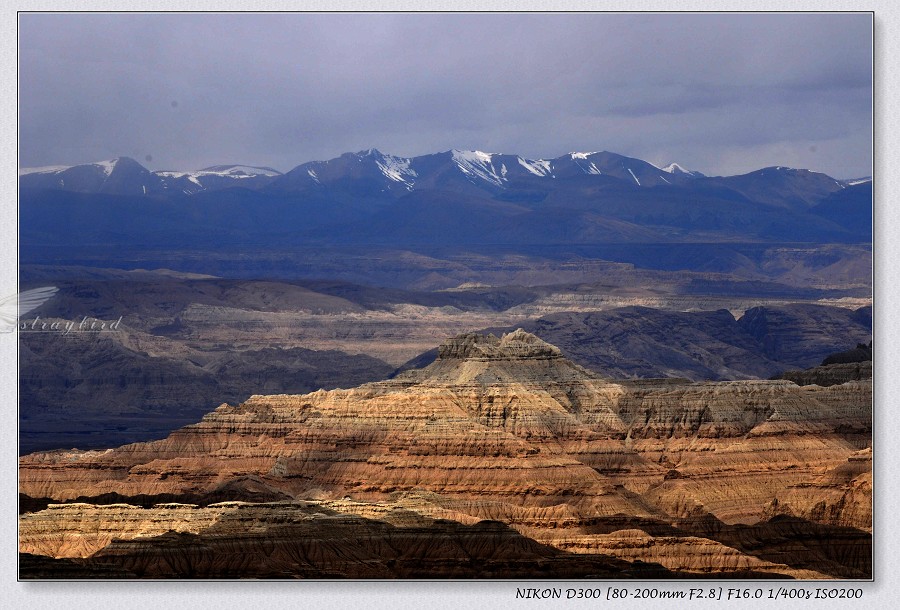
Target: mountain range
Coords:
[[125, 176], [450, 199], [372, 172]]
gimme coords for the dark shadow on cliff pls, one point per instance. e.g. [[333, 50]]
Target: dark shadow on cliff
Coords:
[[840, 552]]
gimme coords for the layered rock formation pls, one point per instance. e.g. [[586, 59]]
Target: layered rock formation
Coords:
[[498, 429], [831, 374], [841, 367], [841, 496], [186, 343], [301, 539]]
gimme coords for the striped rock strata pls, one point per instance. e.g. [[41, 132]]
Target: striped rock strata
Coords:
[[507, 429]]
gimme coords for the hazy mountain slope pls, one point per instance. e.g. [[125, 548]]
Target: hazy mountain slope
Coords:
[[804, 334], [781, 186], [93, 391], [850, 208], [644, 342]]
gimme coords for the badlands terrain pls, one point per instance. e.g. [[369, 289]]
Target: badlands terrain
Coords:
[[187, 343], [500, 459]]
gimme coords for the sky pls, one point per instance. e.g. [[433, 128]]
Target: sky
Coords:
[[720, 93]]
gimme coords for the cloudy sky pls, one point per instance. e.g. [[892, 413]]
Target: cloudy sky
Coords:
[[722, 94]]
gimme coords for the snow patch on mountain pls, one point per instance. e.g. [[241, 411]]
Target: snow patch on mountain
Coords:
[[224, 171], [218, 172], [397, 169], [107, 166], [477, 164], [589, 167], [472, 156], [538, 168], [47, 169], [632, 175], [191, 176], [240, 171], [674, 168]]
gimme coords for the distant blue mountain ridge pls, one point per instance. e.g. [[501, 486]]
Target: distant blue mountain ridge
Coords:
[[453, 198]]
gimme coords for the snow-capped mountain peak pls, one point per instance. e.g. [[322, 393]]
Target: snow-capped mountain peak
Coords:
[[677, 170]]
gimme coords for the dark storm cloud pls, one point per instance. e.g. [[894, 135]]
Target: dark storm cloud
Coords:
[[720, 93]]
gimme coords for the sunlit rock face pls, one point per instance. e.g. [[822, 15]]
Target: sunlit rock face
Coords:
[[506, 429]]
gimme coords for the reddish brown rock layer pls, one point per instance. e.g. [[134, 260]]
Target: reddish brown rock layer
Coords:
[[308, 540], [507, 429]]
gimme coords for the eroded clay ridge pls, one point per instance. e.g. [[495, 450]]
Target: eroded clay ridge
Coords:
[[508, 430], [517, 345]]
